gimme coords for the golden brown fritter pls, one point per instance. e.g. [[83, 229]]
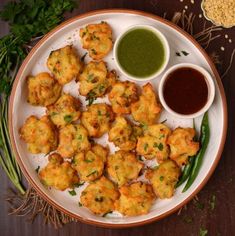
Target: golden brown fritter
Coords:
[[39, 134], [97, 119], [43, 89], [164, 178], [97, 39], [154, 142], [122, 95], [64, 111], [72, 139], [95, 80], [58, 173], [147, 109], [64, 64], [123, 167], [182, 145], [124, 134], [90, 164], [99, 196], [135, 199]]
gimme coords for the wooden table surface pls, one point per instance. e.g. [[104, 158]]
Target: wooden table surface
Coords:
[[220, 220]]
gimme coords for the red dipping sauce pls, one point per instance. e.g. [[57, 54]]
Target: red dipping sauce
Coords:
[[185, 91]]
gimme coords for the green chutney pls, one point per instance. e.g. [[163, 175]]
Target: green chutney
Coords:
[[140, 52]]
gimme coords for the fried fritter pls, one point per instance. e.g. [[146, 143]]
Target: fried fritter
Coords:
[[122, 95], [43, 89], [64, 64], [124, 134], [97, 39], [72, 139], [147, 109], [153, 143], [39, 134], [99, 196], [64, 111], [58, 173], [136, 199], [164, 178], [90, 164], [95, 80], [123, 167], [97, 119], [182, 145]]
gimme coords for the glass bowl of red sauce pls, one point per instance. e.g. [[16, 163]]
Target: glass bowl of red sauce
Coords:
[[186, 90]]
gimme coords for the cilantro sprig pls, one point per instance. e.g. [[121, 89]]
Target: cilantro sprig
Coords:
[[28, 20]]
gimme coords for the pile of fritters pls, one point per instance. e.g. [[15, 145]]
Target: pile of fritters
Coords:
[[130, 120]]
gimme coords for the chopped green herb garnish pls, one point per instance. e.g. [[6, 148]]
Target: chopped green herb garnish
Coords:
[[93, 172], [53, 113], [162, 122], [99, 113], [188, 220], [212, 202], [203, 232], [178, 54], [162, 136], [185, 53], [107, 213], [37, 169], [68, 118], [159, 146], [79, 204], [88, 161], [90, 77], [72, 192], [77, 185], [79, 137], [146, 146], [161, 178], [144, 126], [199, 205]]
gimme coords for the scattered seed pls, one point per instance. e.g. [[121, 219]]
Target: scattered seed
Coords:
[[230, 40], [222, 48], [200, 15], [186, 7], [226, 36], [192, 1]]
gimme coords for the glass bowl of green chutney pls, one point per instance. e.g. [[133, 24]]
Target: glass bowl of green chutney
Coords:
[[141, 52]]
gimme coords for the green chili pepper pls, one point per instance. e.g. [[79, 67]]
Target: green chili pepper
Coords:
[[186, 172], [204, 140]]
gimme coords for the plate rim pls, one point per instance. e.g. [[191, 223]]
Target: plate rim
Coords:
[[121, 11]]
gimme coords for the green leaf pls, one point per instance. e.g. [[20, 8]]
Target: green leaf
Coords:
[[72, 192], [185, 53], [68, 118], [92, 173], [203, 232], [77, 185]]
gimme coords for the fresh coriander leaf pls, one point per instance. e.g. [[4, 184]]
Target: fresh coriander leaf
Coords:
[[162, 122], [37, 169], [188, 220], [212, 202], [161, 178], [178, 54], [68, 118], [72, 192], [93, 172], [160, 146], [185, 53], [88, 161], [203, 232], [199, 205], [77, 185], [145, 147]]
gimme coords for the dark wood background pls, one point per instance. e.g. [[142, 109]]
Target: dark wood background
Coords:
[[220, 220]]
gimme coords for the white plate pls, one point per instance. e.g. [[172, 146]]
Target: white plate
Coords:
[[67, 33]]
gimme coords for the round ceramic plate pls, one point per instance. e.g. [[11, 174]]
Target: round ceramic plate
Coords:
[[68, 33]]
